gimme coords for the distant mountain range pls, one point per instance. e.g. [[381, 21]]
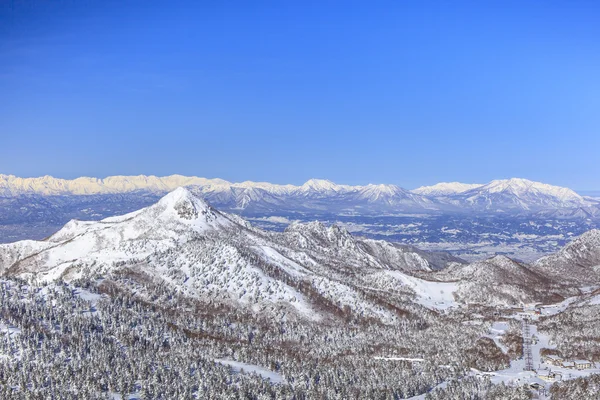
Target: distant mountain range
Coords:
[[514, 217], [323, 196]]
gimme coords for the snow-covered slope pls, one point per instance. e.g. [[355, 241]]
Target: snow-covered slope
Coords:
[[445, 189]]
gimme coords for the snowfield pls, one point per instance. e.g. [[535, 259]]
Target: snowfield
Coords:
[[433, 295]]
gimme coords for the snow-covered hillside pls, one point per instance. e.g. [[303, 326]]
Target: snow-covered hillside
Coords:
[[579, 261], [185, 243], [503, 282]]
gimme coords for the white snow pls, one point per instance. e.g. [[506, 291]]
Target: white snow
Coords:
[[553, 309], [594, 301], [400, 359], [522, 186], [291, 267], [523, 194], [445, 188], [375, 192], [497, 331], [9, 329], [240, 367], [430, 294], [47, 185]]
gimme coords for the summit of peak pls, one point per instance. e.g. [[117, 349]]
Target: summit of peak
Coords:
[[179, 194], [501, 260], [319, 184], [515, 182], [383, 187], [185, 203], [296, 226]]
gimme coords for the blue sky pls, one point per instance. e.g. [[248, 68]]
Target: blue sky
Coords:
[[410, 93]]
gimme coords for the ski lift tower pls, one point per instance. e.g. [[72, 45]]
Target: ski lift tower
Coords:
[[527, 355]]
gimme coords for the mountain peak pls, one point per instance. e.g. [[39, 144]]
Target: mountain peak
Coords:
[[522, 186], [185, 204], [319, 232], [181, 193], [515, 183], [522, 194], [382, 187]]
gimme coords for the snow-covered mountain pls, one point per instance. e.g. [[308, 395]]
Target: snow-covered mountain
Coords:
[[184, 243], [579, 261], [308, 272], [513, 195], [321, 187], [445, 189], [521, 194]]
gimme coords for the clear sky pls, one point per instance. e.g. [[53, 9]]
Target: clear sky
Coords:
[[404, 92]]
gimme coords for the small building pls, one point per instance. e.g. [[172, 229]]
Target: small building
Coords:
[[568, 364], [549, 376], [553, 359], [557, 376], [583, 364], [535, 386]]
